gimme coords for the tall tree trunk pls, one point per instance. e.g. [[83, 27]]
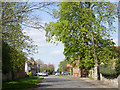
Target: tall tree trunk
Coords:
[[97, 73], [81, 72], [95, 56]]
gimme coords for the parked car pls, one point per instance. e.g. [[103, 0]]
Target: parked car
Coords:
[[65, 73], [57, 74], [42, 74]]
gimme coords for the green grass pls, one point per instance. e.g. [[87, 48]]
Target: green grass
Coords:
[[63, 75], [23, 83]]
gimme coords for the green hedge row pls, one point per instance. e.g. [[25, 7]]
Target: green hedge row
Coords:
[[108, 72], [117, 67]]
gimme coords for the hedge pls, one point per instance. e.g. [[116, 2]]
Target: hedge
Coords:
[[117, 67], [108, 71]]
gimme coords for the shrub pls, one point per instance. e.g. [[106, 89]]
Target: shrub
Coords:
[[108, 71], [117, 67], [26, 74], [30, 74]]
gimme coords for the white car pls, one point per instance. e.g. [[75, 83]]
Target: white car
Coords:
[[57, 74], [42, 74]]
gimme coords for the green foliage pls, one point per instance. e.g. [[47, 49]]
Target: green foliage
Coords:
[[108, 71], [50, 72], [30, 74], [6, 66], [58, 70], [12, 59], [117, 66], [50, 69], [62, 66], [82, 28], [26, 74], [12, 30]]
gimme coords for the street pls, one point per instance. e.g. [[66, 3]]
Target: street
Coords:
[[70, 82]]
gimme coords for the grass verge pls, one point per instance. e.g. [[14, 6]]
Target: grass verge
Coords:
[[23, 83]]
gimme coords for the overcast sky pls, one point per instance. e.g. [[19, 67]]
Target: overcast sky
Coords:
[[48, 52]]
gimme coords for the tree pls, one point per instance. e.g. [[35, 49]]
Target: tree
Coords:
[[50, 68], [39, 61], [16, 44], [14, 15], [82, 27], [12, 59], [62, 66], [43, 68]]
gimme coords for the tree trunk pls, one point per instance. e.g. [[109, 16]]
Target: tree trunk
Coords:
[[97, 73], [81, 72]]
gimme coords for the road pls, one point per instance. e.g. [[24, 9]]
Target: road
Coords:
[[70, 82]]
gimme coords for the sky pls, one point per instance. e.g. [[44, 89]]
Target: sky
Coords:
[[48, 52]]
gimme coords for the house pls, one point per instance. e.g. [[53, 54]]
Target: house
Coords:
[[77, 72], [84, 72], [32, 66], [68, 67]]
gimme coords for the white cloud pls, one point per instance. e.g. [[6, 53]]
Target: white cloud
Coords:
[[57, 52], [38, 36]]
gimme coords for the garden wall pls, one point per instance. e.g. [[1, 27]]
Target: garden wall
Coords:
[[119, 82], [8, 76], [113, 82]]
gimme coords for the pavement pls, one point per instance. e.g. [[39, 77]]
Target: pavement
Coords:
[[72, 82]]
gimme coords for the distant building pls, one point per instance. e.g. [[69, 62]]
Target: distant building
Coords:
[[32, 66]]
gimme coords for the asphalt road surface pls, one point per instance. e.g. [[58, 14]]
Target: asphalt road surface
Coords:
[[70, 82]]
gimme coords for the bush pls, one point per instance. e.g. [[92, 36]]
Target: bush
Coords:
[[108, 71], [26, 74], [117, 67], [30, 74]]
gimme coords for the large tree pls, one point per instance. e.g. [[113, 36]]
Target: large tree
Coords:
[[84, 28], [15, 17], [62, 66]]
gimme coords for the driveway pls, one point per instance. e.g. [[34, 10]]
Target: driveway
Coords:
[[70, 82]]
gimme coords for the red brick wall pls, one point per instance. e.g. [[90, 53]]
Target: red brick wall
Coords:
[[75, 71]]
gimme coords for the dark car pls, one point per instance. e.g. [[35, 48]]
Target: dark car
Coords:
[[65, 73]]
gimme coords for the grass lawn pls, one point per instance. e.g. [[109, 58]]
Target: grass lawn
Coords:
[[23, 83]]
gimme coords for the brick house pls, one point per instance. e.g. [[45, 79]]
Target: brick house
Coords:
[[32, 66], [68, 67], [76, 69], [77, 72], [84, 72]]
